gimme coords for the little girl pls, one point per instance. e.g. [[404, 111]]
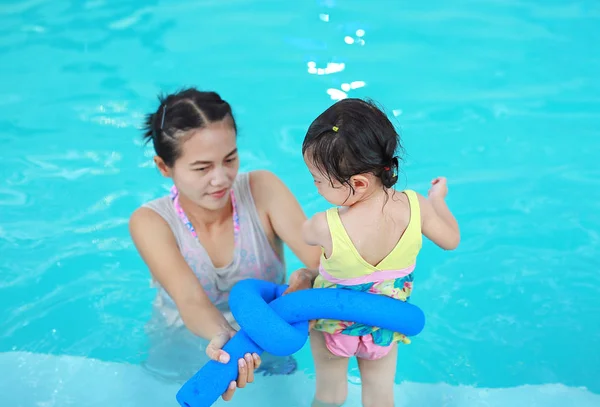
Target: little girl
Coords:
[[370, 241]]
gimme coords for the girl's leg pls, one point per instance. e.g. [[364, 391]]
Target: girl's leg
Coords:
[[332, 373], [377, 377]]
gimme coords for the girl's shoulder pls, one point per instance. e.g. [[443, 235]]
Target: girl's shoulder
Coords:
[[405, 206], [410, 197], [405, 198]]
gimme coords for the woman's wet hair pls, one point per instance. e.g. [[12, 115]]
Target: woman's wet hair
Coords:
[[177, 114], [352, 137]]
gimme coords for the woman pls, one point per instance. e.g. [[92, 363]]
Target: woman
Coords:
[[217, 227]]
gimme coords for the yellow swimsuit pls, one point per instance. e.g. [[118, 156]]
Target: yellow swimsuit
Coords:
[[345, 268]]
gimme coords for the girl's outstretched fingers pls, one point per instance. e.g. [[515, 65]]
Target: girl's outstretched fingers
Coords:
[[437, 180]]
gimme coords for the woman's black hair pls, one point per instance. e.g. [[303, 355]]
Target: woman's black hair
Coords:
[[352, 137], [180, 112]]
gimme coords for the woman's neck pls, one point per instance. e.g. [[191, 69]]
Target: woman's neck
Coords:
[[203, 218]]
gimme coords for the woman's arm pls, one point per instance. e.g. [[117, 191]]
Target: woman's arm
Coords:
[[156, 244], [285, 214]]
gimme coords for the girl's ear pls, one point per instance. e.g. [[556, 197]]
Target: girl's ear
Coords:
[[360, 183]]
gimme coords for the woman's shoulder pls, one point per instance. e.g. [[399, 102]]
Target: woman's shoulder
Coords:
[[271, 196], [264, 184], [262, 176], [152, 214], [146, 219]]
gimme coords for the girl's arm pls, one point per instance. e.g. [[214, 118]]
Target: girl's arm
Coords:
[[438, 223], [315, 232]]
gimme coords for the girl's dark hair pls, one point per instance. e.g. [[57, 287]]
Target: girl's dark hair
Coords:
[[180, 112], [352, 137]]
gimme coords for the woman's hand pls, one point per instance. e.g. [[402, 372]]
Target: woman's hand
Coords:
[[246, 366], [302, 279]]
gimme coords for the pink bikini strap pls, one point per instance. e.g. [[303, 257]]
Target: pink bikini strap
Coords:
[[174, 194]]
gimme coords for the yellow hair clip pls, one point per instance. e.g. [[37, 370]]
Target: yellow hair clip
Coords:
[[335, 128]]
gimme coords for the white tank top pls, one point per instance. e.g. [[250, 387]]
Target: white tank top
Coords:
[[253, 255]]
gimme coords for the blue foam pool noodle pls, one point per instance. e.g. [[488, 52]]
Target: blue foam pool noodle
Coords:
[[279, 325]]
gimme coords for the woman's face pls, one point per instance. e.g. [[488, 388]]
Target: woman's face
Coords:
[[206, 169]]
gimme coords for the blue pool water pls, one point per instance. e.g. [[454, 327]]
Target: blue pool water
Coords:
[[500, 96]]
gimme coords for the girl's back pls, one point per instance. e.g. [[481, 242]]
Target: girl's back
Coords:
[[375, 227]]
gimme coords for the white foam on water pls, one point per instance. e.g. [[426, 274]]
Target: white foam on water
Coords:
[[39, 380]]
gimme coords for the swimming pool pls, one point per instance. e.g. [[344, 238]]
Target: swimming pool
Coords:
[[499, 96]]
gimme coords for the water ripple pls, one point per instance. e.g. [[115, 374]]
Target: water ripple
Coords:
[[476, 89]]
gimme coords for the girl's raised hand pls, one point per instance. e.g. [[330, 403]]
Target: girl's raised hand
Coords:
[[439, 188]]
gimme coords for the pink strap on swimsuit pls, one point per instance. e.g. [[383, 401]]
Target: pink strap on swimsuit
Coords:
[[175, 198], [374, 277]]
